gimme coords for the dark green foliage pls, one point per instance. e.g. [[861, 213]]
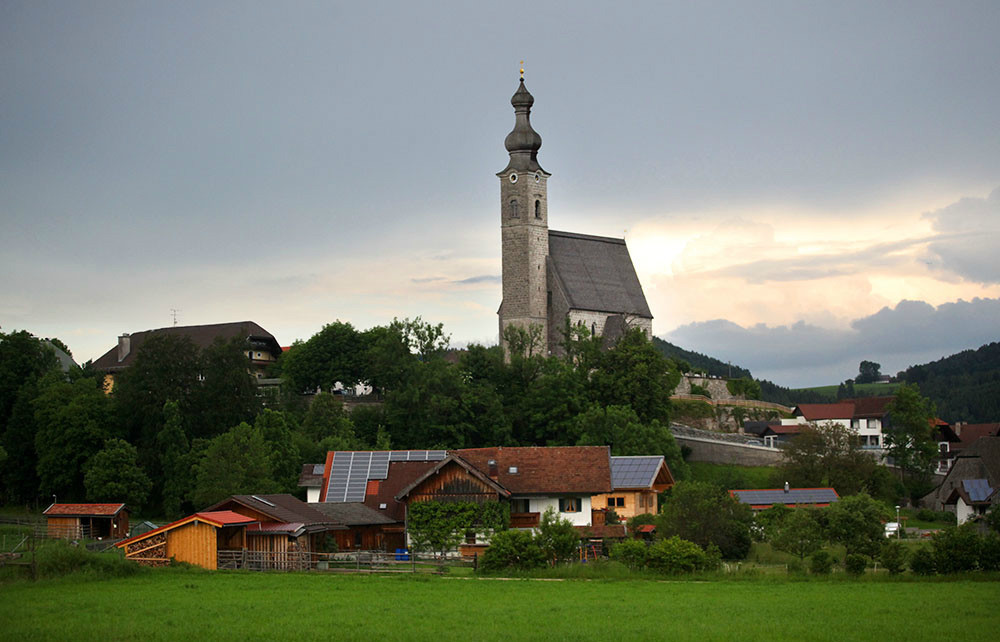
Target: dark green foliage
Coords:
[[957, 549], [333, 355], [286, 461], [235, 462], [698, 361], [73, 420], [611, 517], [705, 514], [113, 475], [855, 564], [557, 537], [989, 552], [631, 553], [326, 420], [675, 555], [922, 561], [62, 558], [746, 387], [513, 549], [620, 428], [909, 437], [227, 393], [799, 533], [856, 523], [868, 372], [700, 390], [992, 518], [635, 374], [768, 522], [963, 386], [828, 455], [820, 563], [894, 556], [440, 526], [642, 519], [779, 394], [176, 462]]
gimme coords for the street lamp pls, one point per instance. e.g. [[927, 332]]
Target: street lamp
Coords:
[[899, 525]]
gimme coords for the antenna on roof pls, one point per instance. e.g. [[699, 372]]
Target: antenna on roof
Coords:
[[173, 313]]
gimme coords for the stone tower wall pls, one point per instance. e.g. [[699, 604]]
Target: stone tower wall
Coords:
[[525, 246]]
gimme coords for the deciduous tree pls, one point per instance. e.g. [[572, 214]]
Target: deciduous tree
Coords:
[[113, 475]]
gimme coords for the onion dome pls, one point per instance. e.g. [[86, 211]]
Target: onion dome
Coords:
[[522, 142]]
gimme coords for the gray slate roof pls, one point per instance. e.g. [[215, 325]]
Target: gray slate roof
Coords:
[[978, 489], [596, 272], [793, 496], [353, 514], [634, 472], [282, 507]]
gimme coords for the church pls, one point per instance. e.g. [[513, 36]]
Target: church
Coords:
[[550, 277]]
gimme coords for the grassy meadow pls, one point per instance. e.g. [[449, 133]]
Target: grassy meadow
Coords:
[[194, 604], [869, 389]]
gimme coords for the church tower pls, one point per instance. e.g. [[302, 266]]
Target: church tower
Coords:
[[524, 227]]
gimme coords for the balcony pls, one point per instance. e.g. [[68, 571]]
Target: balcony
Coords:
[[524, 520]]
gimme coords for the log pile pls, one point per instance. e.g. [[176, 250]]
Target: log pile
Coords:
[[151, 551]]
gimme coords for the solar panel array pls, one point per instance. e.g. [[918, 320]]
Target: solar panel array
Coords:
[[351, 470], [793, 496], [634, 472], [979, 489]]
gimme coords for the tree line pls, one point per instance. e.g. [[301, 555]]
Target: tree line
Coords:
[[185, 427]]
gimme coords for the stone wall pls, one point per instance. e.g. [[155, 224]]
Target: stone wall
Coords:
[[721, 448], [716, 387]]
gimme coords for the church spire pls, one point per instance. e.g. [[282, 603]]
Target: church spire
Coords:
[[522, 142]]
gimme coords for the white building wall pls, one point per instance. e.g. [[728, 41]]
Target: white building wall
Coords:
[[312, 495], [963, 511], [542, 504]]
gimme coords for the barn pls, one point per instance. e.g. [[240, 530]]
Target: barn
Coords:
[[77, 521], [196, 539]]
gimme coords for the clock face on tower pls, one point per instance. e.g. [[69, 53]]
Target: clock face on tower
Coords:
[[538, 177], [513, 177]]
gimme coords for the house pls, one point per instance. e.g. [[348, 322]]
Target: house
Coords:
[[284, 523], [552, 278], [971, 499], [196, 539], [948, 442], [774, 434], [636, 483], [969, 433], [979, 464], [865, 416], [365, 528], [262, 348], [311, 478], [759, 500], [96, 521]]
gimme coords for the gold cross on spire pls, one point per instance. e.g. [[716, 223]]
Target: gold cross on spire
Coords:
[[522, 70]]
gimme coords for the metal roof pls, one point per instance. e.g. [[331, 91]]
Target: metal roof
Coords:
[[791, 496], [634, 472], [978, 489], [350, 470]]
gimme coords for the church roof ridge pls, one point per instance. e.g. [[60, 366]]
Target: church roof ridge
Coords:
[[588, 237]]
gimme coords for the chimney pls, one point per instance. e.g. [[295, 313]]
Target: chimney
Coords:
[[494, 473], [786, 487], [124, 346]]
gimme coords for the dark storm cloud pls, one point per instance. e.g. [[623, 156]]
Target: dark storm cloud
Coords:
[[803, 354], [969, 245]]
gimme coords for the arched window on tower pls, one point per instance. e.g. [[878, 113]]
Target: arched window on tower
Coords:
[[538, 208], [593, 329], [513, 208]]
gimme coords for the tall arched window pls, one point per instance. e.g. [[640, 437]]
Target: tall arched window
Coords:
[[513, 208], [538, 209], [593, 329]]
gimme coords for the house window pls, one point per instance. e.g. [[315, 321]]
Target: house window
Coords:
[[569, 505], [855, 424], [615, 501], [538, 209], [513, 208], [470, 537], [519, 506]]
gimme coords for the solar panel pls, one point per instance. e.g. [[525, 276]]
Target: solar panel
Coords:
[[634, 472], [978, 489], [793, 496], [350, 471]]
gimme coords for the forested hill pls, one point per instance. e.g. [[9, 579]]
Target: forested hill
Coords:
[[965, 386], [700, 361]]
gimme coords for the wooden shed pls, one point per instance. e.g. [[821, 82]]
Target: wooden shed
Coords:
[[77, 521], [196, 539]]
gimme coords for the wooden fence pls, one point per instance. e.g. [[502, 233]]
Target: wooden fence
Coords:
[[352, 562]]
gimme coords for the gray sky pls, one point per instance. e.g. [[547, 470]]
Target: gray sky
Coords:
[[786, 174]]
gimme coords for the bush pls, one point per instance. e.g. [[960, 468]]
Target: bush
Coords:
[[922, 561], [513, 549], [557, 537], [676, 555], [894, 556], [928, 515], [820, 563], [631, 553], [855, 564], [956, 549], [989, 552], [61, 558]]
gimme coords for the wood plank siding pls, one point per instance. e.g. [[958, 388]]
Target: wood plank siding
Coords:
[[194, 543], [453, 484]]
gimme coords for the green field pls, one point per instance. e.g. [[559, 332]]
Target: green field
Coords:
[[237, 606], [867, 389]]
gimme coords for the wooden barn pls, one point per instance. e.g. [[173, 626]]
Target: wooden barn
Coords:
[[283, 523], [77, 521], [197, 539]]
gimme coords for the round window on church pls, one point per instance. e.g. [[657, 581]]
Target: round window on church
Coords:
[[513, 177]]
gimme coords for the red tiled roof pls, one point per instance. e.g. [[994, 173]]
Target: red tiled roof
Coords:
[[647, 528], [971, 432], [275, 527], [401, 474], [786, 430], [217, 518], [870, 406], [95, 510], [225, 517], [553, 470], [826, 411]]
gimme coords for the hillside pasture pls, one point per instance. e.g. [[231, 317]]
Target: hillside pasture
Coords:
[[860, 389], [181, 603]]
